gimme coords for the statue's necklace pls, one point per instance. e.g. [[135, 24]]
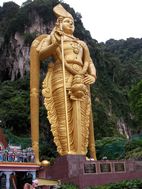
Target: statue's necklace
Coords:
[[74, 44], [75, 47]]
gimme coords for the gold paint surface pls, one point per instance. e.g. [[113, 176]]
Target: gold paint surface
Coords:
[[65, 88]]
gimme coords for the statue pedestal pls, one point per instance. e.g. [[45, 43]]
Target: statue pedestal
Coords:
[[84, 173]]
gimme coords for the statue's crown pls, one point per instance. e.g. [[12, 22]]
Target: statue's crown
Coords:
[[61, 12]]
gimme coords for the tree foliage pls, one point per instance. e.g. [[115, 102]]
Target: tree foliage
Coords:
[[135, 99], [119, 148], [125, 184], [14, 109], [111, 147]]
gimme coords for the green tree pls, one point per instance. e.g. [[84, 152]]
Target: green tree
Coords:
[[14, 108], [135, 99]]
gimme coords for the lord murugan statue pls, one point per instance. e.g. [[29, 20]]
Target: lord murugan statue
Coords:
[[66, 88]]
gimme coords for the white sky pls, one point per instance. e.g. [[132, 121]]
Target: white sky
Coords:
[[105, 19]]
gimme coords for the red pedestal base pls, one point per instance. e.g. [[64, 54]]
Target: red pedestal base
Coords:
[[84, 173]]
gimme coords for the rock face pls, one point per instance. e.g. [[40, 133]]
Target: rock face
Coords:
[[14, 62], [20, 60], [123, 128]]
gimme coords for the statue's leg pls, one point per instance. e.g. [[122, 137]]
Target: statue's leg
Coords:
[[61, 130], [80, 116]]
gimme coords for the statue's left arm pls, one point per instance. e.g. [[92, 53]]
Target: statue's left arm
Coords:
[[89, 67], [92, 69]]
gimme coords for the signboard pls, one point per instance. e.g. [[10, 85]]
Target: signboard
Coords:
[[105, 167], [89, 168], [119, 167]]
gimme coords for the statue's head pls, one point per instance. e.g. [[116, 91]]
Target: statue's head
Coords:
[[64, 19]]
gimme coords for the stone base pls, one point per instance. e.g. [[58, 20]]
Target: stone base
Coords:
[[84, 173]]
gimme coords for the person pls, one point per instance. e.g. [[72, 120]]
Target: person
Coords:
[[34, 185], [65, 87]]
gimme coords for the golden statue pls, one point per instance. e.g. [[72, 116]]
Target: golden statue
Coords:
[[66, 88]]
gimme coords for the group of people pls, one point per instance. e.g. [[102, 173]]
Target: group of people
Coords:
[[20, 155], [34, 185]]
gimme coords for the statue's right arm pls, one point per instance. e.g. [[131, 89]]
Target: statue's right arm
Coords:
[[46, 48]]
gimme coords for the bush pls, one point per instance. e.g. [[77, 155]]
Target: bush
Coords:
[[69, 186], [126, 184]]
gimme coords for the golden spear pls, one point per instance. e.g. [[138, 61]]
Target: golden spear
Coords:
[[64, 86]]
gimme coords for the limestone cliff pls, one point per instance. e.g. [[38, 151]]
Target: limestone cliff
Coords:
[[14, 62]]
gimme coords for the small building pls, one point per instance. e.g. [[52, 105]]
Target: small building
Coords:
[[16, 165]]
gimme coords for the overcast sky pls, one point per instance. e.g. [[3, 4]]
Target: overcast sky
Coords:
[[106, 19]]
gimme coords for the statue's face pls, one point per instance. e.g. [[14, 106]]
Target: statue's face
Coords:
[[68, 25]]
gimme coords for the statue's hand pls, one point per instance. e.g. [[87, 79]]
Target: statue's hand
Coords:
[[57, 36], [89, 79]]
